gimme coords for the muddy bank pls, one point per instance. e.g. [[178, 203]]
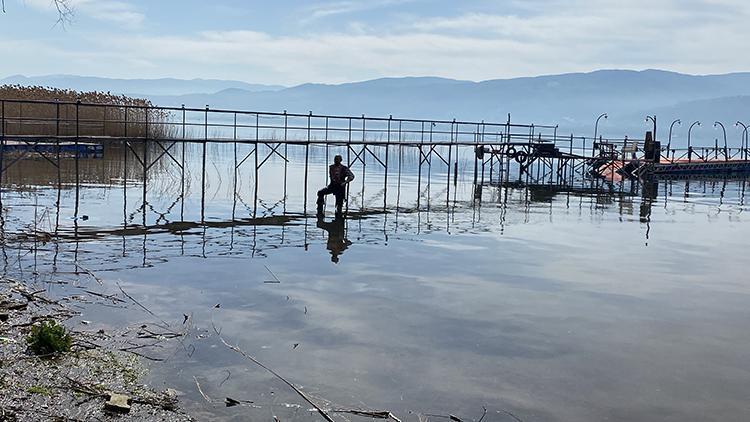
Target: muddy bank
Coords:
[[95, 380]]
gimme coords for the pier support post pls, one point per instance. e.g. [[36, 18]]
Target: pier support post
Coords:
[[419, 177], [145, 166], [364, 161], [125, 180], [448, 181], [325, 173], [2, 149], [476, 164], [77, 156], [59, 172], [256, 174], [286, 155], [234, 178], [348, 160], [203, 166], [182, 169], [385, 177], [307, 158], [400, 163]]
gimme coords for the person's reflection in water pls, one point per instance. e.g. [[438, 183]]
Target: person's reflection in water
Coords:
[[337, 241]]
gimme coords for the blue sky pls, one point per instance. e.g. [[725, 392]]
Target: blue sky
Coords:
[[292, 42]]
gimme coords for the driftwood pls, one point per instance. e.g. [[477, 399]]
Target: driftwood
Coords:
[[200, 390], [113, 298], [274, 373], [88, 272], [375, 414], [95, 391]]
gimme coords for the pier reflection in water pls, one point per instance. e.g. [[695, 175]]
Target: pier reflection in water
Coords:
[[583, 301]]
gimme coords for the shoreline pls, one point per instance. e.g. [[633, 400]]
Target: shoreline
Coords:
[[76, 385]]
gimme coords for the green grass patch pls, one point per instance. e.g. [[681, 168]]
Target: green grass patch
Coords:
[[49, 338], [39, 389]]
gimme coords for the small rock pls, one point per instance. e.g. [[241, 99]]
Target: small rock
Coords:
[[3, 316], [118, 403], [171, 392]]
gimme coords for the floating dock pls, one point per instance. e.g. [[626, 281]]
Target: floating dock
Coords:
[[734, 167], [86, 149]]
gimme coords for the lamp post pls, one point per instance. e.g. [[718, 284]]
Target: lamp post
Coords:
[[596, 126], [724, 130], [743, 141], [653, 119], [669, 142], [690, 148]]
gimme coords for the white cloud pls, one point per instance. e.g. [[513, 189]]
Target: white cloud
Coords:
[[324, 10], [110, 10], [694, 36]]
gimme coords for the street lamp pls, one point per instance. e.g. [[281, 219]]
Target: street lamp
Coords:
[[669, 142], [724, 130], [596, 126], [653, 119], [744, 138], [690, 148]]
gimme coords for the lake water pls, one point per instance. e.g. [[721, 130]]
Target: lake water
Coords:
[[589, 302]]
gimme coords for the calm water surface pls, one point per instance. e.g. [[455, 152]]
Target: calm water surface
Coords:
[[583, 303]]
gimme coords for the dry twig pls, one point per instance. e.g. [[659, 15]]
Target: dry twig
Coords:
[[140, 305], [200, 390], [274, 373]]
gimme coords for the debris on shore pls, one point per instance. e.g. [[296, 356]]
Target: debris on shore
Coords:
[[91, 381]]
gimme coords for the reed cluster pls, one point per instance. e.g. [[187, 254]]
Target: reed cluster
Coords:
[[99, 114]]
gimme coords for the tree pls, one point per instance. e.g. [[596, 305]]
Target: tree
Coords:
[[63, 7]]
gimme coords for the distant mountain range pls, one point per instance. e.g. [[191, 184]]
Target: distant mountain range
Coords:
[[571, 100], [141, 87]]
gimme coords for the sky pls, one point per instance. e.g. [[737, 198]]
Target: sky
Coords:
[[337, 41]]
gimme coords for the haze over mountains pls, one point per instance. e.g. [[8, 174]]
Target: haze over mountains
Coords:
[[571, 100], [164, 86]]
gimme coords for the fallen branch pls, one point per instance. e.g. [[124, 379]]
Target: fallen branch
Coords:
[[484, 413], [274, 373], [375, 414], [140, 305], [96, 391], [511, 415], [139, 346], [32, 296], [452, 418], [200, 390], [145, 356], [113, 298], [89, 272]]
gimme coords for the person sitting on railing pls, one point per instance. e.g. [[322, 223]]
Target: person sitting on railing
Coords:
[[339, 175]]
